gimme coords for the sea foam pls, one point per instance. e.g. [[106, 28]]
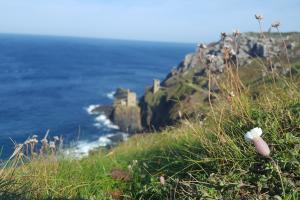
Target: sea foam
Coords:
[[82, 148], [91, 108], [102, 121], [111, 94]]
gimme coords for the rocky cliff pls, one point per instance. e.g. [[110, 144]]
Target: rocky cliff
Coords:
[[127, 118], [187, 90], [184, 91]]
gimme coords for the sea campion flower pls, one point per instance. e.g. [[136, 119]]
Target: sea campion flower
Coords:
[[254, 135]]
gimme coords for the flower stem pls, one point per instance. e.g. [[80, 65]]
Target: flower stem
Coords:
[[279, 174]]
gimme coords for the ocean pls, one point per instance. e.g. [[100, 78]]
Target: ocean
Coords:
[[52, 82]]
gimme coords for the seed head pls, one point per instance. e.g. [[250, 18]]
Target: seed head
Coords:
[[259, 17], [56, 138], [223, 35], [44, 140], [275, 24], [52, 145], [236, 33], [34, 141], [162, 180]]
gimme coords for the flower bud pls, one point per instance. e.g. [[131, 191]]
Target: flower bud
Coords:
[[261, 146]]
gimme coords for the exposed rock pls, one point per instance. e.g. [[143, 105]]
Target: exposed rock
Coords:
[[127, 118], [117, 138], [121, 93]]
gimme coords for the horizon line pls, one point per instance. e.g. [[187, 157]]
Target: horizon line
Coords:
[[94, 37]]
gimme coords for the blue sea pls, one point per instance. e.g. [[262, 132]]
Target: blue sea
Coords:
[[51, 82]]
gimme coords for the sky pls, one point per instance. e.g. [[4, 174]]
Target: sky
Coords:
[[150, 20]]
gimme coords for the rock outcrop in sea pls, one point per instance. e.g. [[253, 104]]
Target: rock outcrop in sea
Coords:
[[125, 112]]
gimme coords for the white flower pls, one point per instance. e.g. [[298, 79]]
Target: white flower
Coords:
[[253, 133]]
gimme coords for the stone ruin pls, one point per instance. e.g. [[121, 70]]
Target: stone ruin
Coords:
[[125, 98], [131, 99], [156, 86]]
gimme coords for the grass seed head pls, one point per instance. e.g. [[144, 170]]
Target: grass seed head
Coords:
[[259, 17], [236, 33], [275, 24]]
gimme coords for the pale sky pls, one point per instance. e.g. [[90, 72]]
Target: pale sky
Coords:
[[152, 20]]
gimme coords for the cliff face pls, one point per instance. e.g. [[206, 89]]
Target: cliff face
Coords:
[[184, 92]]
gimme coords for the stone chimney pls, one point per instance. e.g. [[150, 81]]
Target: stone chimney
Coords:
[[156, 86], [131, 99]]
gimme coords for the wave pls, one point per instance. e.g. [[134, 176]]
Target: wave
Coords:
[[91, 108], [111, 95], [83, 147], [103, 121]]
